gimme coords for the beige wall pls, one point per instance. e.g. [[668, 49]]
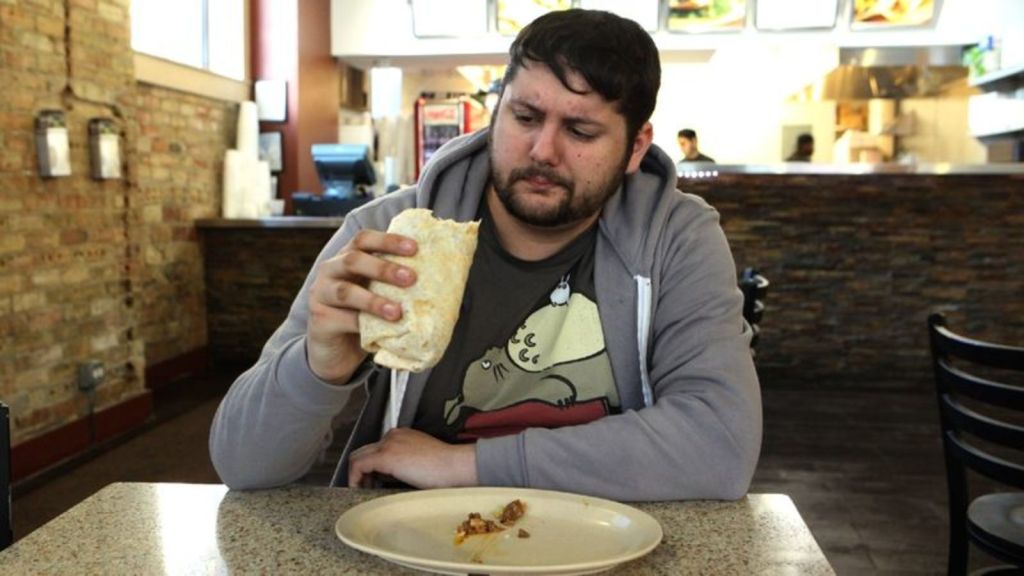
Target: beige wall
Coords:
[[940, 132]]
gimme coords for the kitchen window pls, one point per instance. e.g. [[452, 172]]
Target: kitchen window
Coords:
[[205, 34]]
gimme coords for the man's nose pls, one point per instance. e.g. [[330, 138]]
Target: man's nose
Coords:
[[545, 149]]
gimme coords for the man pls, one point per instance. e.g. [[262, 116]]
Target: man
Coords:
[[804, 149], [600, 347], [688, 145]]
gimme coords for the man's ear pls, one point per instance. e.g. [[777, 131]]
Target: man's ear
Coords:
[[640, 144]]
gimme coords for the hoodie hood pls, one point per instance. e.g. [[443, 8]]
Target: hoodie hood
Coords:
[[642, 203]]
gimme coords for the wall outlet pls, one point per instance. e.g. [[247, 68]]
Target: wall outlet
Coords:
[[90, 375]]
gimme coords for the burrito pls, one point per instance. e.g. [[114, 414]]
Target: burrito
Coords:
[[430, 307]]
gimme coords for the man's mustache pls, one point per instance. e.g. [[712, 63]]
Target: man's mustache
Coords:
[[518, 174]]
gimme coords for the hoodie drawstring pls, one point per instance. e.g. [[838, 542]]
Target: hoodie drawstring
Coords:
[[643, 328]]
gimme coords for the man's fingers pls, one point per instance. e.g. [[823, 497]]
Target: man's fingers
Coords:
[[361, 469], [355, 264], [375, 241], [364, 450], [347, 296], [327, 320]]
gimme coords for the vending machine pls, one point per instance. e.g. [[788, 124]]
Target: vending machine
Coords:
[[438, 121]]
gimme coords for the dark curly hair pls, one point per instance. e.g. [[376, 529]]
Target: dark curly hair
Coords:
[[616, 57]]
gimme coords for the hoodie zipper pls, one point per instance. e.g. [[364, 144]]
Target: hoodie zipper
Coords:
[[643, 328]]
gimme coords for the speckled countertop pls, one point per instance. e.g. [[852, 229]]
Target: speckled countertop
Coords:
[[129, 528]]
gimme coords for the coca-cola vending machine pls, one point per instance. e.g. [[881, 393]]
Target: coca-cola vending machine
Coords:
[[438, 121]]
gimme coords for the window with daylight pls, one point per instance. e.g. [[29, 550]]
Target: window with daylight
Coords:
[[205, 34]]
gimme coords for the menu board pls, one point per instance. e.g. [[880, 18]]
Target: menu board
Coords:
[[513, 15], [873, 14], [643, 12], [697, 16], [795, 14]]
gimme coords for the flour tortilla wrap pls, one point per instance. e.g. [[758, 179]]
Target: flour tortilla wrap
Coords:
[[430, 307]]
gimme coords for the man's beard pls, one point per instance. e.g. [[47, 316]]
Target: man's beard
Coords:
[[570, 208]]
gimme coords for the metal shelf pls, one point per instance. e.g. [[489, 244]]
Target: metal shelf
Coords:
[[998, 76]]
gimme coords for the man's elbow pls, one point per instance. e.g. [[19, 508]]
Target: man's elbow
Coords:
[[235, 471], [734, 488], [246, 478], [730, 475], [231, 473], [736, 478]]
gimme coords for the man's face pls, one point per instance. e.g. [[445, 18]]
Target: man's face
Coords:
[[557, 156], [688, 147]]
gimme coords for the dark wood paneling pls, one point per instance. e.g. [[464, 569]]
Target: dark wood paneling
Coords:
[[252, 276], [857, 262]]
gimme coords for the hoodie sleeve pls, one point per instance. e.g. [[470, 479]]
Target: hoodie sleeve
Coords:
[[701, 437], [276, 419]]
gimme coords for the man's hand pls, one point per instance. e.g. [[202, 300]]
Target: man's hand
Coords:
[[339, 293], [415, 458]]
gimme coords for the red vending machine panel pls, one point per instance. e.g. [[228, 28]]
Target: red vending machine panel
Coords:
[[438, 121]]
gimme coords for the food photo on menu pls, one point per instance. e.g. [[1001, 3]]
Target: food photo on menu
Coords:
[[891, 13]]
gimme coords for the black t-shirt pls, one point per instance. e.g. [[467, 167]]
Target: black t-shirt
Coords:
[[528, 349]]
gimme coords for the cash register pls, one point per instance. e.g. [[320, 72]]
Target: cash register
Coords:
[[345, 172]]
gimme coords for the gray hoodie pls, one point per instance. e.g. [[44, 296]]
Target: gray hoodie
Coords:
[[671, 313]]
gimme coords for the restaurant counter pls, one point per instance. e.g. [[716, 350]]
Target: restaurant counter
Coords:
[[857, 257], [136, 528]]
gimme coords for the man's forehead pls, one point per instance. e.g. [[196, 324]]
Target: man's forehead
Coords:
[[576, 81], [528, 88]]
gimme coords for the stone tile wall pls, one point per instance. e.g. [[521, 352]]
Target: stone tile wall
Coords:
[[856, 264]]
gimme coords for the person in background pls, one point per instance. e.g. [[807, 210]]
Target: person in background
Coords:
[[804, 149], [687, 139], [600, 348]]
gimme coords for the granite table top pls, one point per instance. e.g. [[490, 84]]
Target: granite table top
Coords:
[[157, 528]]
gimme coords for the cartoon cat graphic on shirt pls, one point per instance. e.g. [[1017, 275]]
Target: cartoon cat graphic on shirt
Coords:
[[552, 372]]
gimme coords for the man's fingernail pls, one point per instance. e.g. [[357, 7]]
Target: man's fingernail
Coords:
[[391, 311], [403, 274], [408, 247]]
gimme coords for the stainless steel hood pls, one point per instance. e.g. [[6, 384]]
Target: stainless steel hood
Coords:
[[893, 73]]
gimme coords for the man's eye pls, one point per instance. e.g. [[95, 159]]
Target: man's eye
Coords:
[[525, 118], [581, 134]]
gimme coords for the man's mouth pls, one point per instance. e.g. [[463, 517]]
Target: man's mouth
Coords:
[[539, 180]]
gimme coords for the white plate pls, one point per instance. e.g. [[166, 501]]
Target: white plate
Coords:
[[569, 533]]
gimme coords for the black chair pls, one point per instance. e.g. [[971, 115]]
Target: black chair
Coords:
[[755, 288], [975, 438], [6, 529]]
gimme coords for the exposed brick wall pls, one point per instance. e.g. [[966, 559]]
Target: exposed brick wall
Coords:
[[178, 162], [105, 270], [856, 263]]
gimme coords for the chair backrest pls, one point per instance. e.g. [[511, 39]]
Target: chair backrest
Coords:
[[755, 289], [6, 528], [956, 381]]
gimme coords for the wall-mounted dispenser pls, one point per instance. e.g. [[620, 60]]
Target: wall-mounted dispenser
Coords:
[[52, 144], [105, 149]]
